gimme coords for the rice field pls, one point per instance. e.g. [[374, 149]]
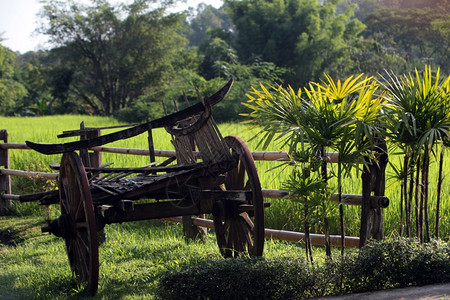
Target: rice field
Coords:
[[282, 214]]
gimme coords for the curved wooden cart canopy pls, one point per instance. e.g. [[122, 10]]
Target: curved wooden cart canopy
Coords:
[[133, 131]]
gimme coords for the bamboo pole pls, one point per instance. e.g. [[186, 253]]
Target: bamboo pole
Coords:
[[18, 173], [331, 157], [131, 151], [14, 146], [10, 197], [348, 199], [283, 235]]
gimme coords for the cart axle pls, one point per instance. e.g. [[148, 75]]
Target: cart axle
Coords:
[[61, 227]]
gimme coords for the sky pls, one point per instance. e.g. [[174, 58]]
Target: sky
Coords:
[[18, 21]]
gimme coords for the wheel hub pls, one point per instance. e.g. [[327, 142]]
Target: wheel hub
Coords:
[[61, 227]]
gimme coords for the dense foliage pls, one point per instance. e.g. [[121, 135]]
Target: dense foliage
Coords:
[[11, 90], [305, 36], [123, 59]]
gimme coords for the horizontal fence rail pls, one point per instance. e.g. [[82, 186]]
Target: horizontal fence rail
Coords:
[[283, 235], [331, 157]]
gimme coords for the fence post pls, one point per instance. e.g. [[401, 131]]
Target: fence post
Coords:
[[94, 159], [373, 180], [5, 180]]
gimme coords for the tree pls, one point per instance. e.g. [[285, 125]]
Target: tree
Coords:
[[405, 34], [333, 115], [114, 54], [11, 90], [307, 37], [206, 18], [417, 119], [32, 73], [219, 60]]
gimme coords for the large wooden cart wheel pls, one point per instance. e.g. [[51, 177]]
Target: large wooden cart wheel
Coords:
[[240, 226], [78, 221]]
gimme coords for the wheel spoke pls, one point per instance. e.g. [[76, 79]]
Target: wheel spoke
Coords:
[[78, 211], [248, 220], [230, 237], [248, 186], [240, 176], [238, 238], [82, 237], [65, 205], [247, 233], [83, 261], [241, 229]]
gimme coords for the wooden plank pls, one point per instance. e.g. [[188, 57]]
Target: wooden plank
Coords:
[[156, 210], [48, 197]]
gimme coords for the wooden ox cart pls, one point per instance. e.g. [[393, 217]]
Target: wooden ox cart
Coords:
[[213, 175]]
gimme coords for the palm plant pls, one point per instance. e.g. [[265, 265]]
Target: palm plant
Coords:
[[417, 120], [334, 116]]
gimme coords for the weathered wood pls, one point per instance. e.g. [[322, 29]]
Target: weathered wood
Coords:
[[130, 132], [44, 197], [348, 199], [157, 210], [72, 133], [9, 197], [151, 146], [84, 152], [182, 207], [331, 157], [95, 157], [14, 146], [18, 173], [5, 179], [373, 181]]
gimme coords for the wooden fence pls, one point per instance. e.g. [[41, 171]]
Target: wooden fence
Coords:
[[371, 200]]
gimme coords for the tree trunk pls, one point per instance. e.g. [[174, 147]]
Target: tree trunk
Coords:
[[425, 183], [325, 221], [308, 247], [341, 209], [408, 196], [439, 188], [416, 197]]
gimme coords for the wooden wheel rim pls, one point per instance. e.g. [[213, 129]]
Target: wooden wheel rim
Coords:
[[240, 232], [76, 203]]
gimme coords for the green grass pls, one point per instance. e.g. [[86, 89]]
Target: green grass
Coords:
[[132, 259]]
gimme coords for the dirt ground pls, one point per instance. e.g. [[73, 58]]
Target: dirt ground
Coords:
[[428, 292]]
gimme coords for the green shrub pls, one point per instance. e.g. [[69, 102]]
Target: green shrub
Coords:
[[397, 263], [379, 265], [243, 278]]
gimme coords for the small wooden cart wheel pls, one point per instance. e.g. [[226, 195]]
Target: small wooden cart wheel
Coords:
[[77, 213], [240, 227]]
